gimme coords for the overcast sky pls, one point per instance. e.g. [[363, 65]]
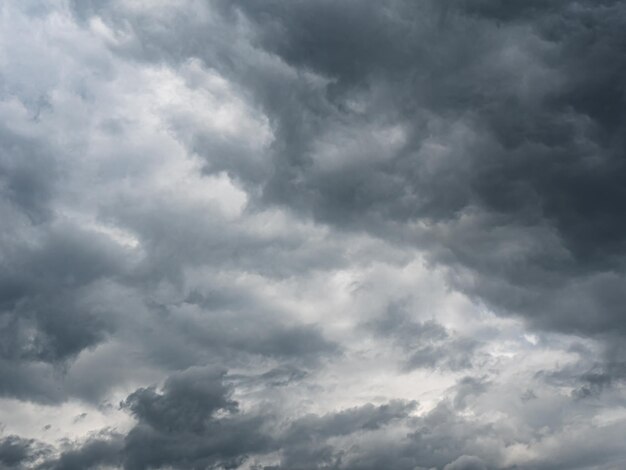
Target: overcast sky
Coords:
[[312, 234]]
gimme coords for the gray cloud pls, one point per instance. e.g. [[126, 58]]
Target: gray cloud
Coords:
[[425, 344], [510, 140], [94, 453], [397, 225], [17, 452], [539, 160], [193, 422]]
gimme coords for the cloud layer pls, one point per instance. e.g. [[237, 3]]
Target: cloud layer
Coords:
[[296, 235]]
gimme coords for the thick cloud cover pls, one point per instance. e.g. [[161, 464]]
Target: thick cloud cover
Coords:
[[312, 234]]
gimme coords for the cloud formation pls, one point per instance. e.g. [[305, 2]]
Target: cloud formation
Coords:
[[303, 234]]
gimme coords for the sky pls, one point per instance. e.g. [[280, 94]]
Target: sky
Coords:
[[312, 234]]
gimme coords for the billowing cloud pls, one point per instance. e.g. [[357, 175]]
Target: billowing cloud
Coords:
[[305, 234]]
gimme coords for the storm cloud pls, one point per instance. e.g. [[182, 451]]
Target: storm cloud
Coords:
[[312, 234]]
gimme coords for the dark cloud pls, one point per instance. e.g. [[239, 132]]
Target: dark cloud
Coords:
[[506, 148], [51, 265], [273, 188], [510, 140], [191, 423], [194, 423], [188, 401], [27, 176], [180, 427], [48, 315], [533, 99], [42, 296], [96, 452], [16, 452]]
